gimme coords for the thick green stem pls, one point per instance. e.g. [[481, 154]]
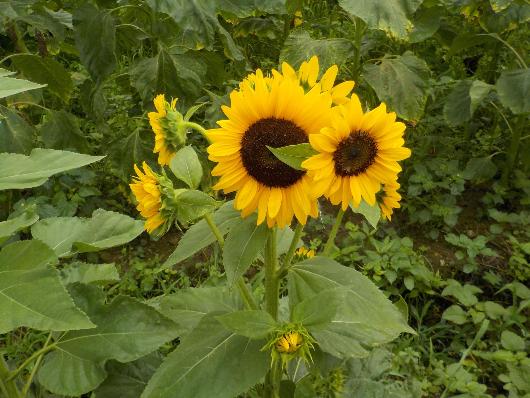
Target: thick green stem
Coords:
[[333, 233], [246, 295], [8, 387], [292, 249], [513, 151]]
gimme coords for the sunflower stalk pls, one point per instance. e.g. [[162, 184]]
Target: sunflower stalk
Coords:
[[333, 234], [246, 295], [292, 249]]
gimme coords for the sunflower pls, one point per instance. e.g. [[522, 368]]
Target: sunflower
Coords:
[[146, 189], [289, 342], [165, 124], [304, 252], [390, 199], [308, 73], [357, 153], [275, 112]]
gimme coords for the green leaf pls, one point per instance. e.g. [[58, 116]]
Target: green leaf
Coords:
[[187, 167], [312, 314], [9, 227], [210, 361], [299, 47], [200, 234], [61, 131], [79, 272], [464, 99], [391, 16], [465, 294], [254, 324], [293, 155], [192, 204], [513, 87], [401, 82], [480, 169], [425, 24], [31, 293], [11, 86], [128, 380], [132, 149], [511, 341], [243, 244], [371, 213], [455, 314], [16, 135], [126, 330], [69, 235], [5, 72], [46, 71], [20, 171], [188, 306], [95, 38], [365, 317]]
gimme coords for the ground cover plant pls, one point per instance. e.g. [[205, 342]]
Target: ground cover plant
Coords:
[[284, 198]]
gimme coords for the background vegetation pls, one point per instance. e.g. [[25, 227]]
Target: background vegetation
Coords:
[[457, 253]]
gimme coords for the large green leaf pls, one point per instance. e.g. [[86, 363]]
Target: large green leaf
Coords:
[[364, 318], [242, 246], [426, 22], [133, 149], [31, 293], [126, 330], [255, 324], [79, 272], [312, 314], [464, 99], [20, 171], [401, 82], [11, 86], [513, 87], [200, 234], [299, 47], [187, 307], [16, 135], [45, 71], [210, 361], [391, 16], [61, 131], [9, 227], [95, 38], [68, 235], [187, 167]]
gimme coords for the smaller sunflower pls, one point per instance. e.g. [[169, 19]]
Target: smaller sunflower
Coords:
[[304, 252], [169, 137], [390, 199], [308, 73], [146, 189], [358, 153]]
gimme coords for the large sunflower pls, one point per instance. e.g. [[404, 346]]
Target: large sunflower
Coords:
[[275, 112], [357, 153]]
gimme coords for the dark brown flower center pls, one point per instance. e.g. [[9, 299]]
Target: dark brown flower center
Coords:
[[355, 154], [259, 162]]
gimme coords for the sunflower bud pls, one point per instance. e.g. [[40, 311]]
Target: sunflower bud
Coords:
[[303, 252], [289, 342], [168, 125]]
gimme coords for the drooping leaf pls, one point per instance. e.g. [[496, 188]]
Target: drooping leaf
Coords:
[[188, 306], [299, 47], [293, 155], [46, 71], [31, 293], [231, 364], [11, 86], [126, 330], [401, 82], [365, 317], [200, 234], [61, 131], [425, 23], [95, 38], [16, 135], [464, 99], [11, 226], [513, 87], [255, 324], [187, 167], [242, 246], [68, 235], [79, 272], [193, 204], [391, 16], [20, 171], [372, 214]]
